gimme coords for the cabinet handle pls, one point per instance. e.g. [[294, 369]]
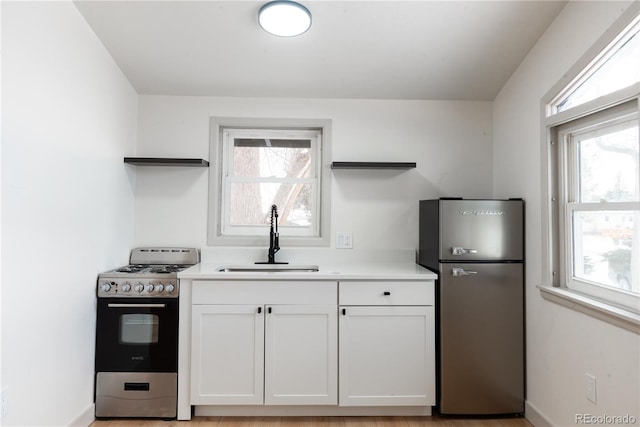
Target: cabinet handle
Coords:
[[269, 310], [259, 310], [386, 293], [344, 311]]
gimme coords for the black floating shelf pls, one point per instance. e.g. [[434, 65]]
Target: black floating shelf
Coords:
[[165, 161], [373, 165]]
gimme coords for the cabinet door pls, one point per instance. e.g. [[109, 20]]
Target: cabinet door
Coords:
[[227, 358], [301, 355], [387, 356]]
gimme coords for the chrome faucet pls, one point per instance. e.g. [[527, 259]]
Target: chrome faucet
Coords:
[[274, 239]]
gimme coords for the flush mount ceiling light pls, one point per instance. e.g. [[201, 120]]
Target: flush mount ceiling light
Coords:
[[284, 18]]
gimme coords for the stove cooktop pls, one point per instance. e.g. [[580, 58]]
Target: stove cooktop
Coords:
[[158, 278], [149, 269]]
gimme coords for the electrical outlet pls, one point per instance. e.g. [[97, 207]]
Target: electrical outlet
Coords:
[[591, 388], [3, 402], [344, 240]]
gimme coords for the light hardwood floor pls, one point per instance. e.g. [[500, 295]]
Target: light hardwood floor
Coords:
[[320, 422]]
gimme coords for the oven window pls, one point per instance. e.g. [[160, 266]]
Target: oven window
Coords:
[[139, 328]]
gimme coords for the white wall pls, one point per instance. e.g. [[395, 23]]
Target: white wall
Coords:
[[68, 118], [450, 141], [562, 345]]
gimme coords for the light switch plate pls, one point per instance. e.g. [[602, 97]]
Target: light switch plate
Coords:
[[344, 240]]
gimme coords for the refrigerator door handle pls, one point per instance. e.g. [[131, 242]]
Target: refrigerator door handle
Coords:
[[457, 250], [461, 272]]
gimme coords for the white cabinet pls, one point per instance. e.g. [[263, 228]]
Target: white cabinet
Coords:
[[387, 351], [282, 351], [227, 358], [301, 366]]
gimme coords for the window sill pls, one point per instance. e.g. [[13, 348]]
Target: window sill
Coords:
[[609, 313]]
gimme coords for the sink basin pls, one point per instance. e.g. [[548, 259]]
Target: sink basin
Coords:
[[269, 268]]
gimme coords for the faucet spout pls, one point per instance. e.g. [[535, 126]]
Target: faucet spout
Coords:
[[274, 238]]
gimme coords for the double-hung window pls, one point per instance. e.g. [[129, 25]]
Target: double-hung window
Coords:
[[258, 166], [593, 192], [599, 211], [265, 167]]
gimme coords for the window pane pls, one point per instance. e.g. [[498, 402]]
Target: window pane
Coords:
[[608, 167], [251, 203], [618, 71], [603, 244], [279, 158]]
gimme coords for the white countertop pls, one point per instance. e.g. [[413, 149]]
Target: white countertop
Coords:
[[326, 271]]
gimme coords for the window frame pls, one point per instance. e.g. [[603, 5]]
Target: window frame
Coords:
[[566, 189], [553, 287], [606, 53], [228, 178], [215, 234]]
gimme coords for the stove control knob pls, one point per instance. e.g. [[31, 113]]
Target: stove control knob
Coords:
[[126, 287], [106, 287], [139, 287], [149, 288], [170, 288], [159, 287]]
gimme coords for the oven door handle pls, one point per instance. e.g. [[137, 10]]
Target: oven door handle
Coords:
[[114, 305]]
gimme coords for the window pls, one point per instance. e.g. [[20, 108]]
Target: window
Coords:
[[259, 166], [265, 167], [616, 67], [599, 203], [593, 152]]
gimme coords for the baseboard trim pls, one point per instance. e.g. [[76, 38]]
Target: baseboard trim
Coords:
[[319, 410], [85, 418], [535, 417]]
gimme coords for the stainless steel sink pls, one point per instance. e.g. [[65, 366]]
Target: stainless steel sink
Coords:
[[269, 268]]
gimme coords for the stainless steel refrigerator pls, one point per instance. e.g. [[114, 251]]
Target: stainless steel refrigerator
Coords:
[[477, 249]]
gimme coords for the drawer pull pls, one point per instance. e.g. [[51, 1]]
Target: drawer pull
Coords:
[[269, 310], [386, 293], [259, 310], [344, 311], [136, 386]]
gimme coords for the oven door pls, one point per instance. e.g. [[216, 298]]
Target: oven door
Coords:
[[137, 335]]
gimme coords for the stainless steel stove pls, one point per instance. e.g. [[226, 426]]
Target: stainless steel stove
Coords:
[[137, 334]]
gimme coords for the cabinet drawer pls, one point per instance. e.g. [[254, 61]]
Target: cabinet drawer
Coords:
[[264, 292], [386, 293]]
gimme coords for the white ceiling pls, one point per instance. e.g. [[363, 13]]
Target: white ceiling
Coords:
[[451, 50]]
